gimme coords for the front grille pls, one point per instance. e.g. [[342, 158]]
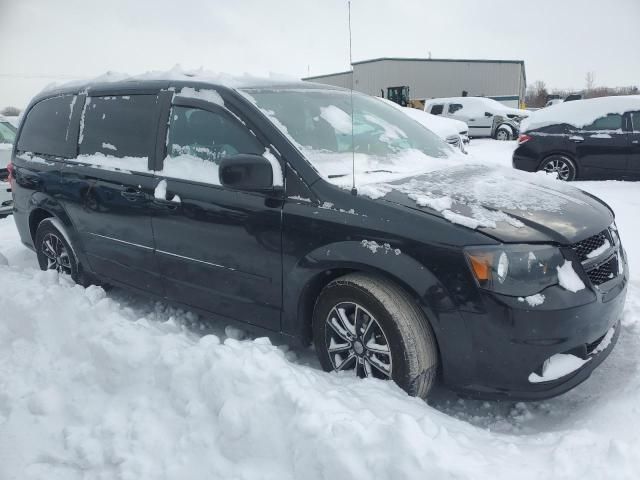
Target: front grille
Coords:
[[454, 141], [604, 272], [585, 247]]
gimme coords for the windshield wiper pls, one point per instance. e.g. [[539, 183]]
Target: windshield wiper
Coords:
[[340, 175]]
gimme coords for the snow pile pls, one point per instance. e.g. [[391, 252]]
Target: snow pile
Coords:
[[337, 118], [177, 73], [568, 278], [373, 171], [600, 250], [478, 196], [188, 166], [580, 112], [207, 95], [557, 367], [160, 192], [109, 162], [533, 300]]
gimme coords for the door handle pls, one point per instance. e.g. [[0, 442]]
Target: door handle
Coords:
[[132, 194], [167, 204], [576, 139]]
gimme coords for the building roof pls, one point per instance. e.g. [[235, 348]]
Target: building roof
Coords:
[[457, 60], [403, 59]]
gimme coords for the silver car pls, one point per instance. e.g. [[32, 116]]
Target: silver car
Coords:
[[7, 138]]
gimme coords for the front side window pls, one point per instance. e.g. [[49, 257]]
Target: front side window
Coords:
[[437, 109], [118, 131], [612, 121], [380, 140], [46, 128], [197, 141], [7, 133], [454, 107]]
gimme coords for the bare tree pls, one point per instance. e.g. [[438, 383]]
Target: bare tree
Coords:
[[590, 82], [10, 111], [537, 94]]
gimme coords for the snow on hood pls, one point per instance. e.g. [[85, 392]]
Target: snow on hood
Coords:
[[477, 196], [580, 112]]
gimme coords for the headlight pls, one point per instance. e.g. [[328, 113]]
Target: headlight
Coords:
[[516, 270]]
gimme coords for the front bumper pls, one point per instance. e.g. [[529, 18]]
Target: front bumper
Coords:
[[6, 199], [511, 339]]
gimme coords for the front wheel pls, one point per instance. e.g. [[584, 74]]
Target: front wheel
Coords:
[[504, 133], [559, 165], [370, 327]]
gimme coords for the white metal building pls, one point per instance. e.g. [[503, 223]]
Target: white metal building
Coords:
[[503, 80]]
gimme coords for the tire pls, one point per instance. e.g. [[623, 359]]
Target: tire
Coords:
[[562, 165], [387, 319], [504, 133], [55, 252]]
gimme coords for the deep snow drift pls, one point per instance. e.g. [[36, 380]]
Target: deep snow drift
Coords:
[[97, 385]]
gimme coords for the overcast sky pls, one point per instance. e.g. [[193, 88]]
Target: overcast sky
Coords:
[[44, 41]]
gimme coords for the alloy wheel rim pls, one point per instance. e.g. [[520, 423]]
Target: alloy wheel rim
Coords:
[[56, 253], [559, 167], [356, 342]]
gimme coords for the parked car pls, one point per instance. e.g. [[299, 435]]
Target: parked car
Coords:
[[312, 213], [454, 132], [485, 117], [554, 101], [585, 139], [7, 137]]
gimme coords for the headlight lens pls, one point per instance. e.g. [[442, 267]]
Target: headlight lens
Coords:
[[516, 270]]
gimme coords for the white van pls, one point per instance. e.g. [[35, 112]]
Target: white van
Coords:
[[485, 117], [7, 138]]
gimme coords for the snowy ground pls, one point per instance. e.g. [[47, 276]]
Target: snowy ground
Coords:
[[98, 386]]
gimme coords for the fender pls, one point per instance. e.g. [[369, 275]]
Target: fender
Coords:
[[307, 277], [42, 201]]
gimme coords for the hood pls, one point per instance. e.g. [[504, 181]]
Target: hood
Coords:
[[515, 111], [508, 205]]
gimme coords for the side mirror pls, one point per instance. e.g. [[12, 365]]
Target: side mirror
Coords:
[[246, 172], [487, 114]]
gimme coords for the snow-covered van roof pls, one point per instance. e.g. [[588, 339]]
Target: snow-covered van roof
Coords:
[[580, 112], [157, 80]]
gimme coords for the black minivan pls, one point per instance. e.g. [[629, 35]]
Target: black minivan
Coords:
[[590, 139], [316, 215]]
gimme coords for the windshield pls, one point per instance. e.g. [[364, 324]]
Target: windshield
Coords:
[[387, 143], [7, 133]]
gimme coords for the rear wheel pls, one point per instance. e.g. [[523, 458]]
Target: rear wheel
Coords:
[[370, 327], [55, 252], [560, 165]]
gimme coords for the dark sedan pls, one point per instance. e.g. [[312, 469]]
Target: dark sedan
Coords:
[[586, 139]]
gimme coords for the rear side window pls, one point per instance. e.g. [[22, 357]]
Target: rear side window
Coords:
[[199, 139], [436, 109], [613, 121], [454, 107], [118, 126], [635, 121], [46, 130]]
